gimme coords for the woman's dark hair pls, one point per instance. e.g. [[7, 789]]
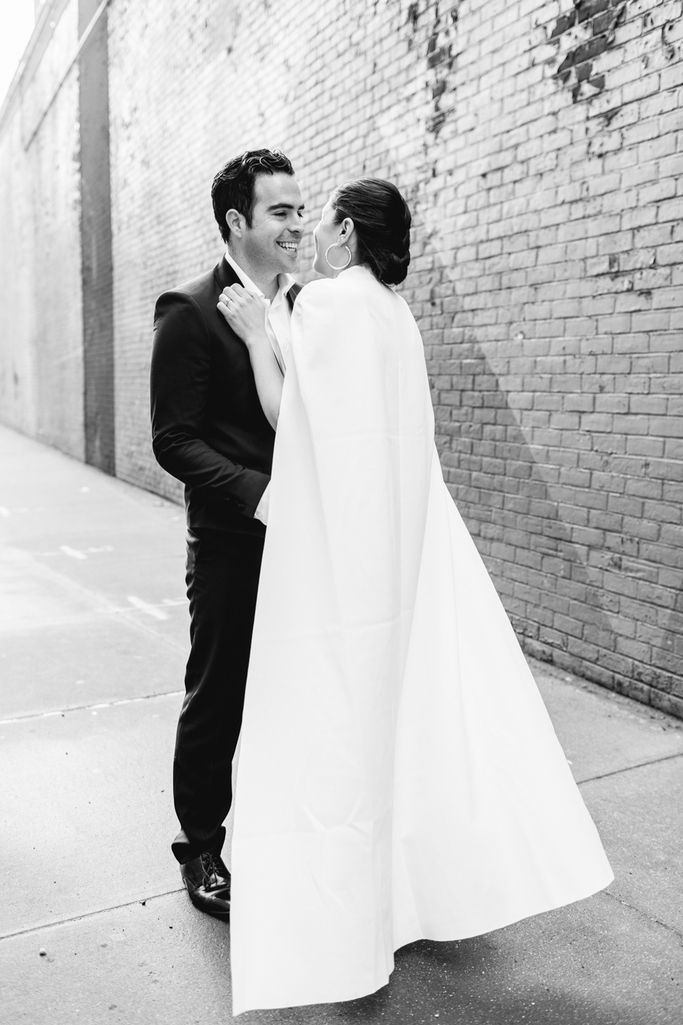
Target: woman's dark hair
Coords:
[[233, 186], [382, 220]]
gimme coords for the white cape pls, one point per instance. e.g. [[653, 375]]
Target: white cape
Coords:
[[398, 775]]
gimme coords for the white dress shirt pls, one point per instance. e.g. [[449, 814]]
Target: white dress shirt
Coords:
[[278, 328]]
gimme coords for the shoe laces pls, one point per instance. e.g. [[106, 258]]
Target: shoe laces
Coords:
[[212, 868]]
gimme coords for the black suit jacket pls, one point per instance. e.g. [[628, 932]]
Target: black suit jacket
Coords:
[[208, 428]]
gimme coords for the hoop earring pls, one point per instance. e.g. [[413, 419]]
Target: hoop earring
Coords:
[[333, 246]]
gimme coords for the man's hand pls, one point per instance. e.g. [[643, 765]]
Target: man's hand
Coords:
[[245, 313]]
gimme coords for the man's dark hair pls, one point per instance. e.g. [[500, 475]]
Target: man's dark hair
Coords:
[[233, 186]]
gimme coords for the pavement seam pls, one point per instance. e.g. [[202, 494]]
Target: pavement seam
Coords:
[[86, 708], [630, 768], [100, 604], [644, 914], [129, 616], [87, 914]]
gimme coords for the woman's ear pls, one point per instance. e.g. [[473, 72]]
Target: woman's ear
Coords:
[[346, 229]]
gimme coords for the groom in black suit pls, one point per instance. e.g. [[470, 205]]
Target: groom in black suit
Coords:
[[210, 432]]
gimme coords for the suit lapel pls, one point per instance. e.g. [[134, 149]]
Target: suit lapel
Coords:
[[225, 275]]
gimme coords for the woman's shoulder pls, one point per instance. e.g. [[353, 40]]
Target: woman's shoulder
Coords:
[[321, 290], [349, 290], [351, 296]]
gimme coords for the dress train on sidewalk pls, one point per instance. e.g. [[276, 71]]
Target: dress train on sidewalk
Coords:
[[398, 775]]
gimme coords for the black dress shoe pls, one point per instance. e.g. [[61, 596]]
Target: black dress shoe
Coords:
[[208, 884]]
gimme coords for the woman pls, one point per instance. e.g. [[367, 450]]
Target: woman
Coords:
[[398, 776]]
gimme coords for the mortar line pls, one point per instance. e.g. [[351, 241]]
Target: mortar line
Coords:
[[86, 914], [85, 708], [630, 768]]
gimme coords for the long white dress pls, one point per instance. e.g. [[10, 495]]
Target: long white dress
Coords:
[[398, 776]]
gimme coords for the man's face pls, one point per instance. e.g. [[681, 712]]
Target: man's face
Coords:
[[272, 242]]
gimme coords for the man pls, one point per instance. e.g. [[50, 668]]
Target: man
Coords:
[[210, 432]]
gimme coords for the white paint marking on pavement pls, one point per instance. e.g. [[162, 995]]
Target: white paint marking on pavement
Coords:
[[73, 552], [144, 606], [4, 511]]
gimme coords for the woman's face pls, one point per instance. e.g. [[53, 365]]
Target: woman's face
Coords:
[[325, 234]]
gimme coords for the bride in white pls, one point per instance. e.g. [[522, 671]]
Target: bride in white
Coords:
[[398, 775]]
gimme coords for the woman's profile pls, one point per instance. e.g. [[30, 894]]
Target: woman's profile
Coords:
[[398, 775]]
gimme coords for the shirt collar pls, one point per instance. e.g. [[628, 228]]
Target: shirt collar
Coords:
[[284, 281]]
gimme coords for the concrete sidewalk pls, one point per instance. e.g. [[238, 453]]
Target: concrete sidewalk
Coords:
[[93, 638]]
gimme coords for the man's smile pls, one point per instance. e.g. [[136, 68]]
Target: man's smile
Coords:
[[289, 246]]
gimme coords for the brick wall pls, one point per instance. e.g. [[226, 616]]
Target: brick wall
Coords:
[[41, 353], [540, 146], [555, 346]]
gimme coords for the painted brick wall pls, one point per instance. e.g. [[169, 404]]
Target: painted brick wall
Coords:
[[41, 357], [556, 349], [540, 145]]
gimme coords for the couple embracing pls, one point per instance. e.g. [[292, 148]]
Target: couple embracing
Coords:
[[357, 706]]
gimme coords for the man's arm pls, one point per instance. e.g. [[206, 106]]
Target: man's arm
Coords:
[[179, 393]]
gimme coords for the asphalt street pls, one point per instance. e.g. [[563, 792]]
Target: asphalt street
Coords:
[[94, 925]]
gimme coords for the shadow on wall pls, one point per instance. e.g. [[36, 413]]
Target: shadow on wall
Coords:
[[548, 515], [555, 600]]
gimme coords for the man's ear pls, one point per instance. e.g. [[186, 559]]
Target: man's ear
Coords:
[[236, 222]]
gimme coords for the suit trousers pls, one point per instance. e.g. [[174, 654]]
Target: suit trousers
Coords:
[[222, 581]]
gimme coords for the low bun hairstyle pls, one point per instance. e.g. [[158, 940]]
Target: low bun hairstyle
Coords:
[[382, 220]]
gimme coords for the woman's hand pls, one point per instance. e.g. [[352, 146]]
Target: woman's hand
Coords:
[[245, 313]]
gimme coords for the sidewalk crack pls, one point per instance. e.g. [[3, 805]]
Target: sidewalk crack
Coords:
[[86, 914], [630, 768], [644, 914], [61, 712]]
